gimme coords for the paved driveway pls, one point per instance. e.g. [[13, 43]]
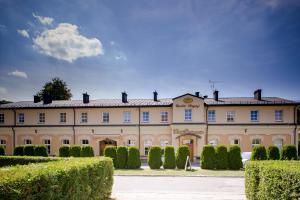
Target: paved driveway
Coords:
[[175, 188]]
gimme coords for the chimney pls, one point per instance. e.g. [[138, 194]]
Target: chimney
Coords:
[[124, 97], [47, 99], [85, 98], [205, 96], [155, 96], [216, 95], [197, 94], [36, 99], [257, 94]]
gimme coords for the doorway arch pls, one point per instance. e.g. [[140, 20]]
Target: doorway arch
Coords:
[[104, 143]]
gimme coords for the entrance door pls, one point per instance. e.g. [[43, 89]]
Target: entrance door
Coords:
[[190, 144], [103, 144]]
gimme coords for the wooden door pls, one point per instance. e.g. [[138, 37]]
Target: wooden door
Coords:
[[191, 147]]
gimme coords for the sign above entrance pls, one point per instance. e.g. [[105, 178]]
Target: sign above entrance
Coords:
[[188, 100]]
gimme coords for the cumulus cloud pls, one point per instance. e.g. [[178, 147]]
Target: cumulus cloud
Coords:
[[3, 90], [24, 33], [18, 73], [65, 43], [43, 20]]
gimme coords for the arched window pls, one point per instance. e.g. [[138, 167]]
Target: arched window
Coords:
[[147, 145], [278, 142], [164, 143], [213, 142], [256, 141]]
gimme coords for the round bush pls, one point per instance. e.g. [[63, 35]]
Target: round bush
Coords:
[[169, 162], [87, 151], [19, 150], [29, 150], [289, 152], [154, 157], [259, 153], [40, 150], [121, 157], [2, 150], [234, 157], [273, 153], [134, 161], [182, 153], [75, 150], [111, 151], [208, 157], [221, 157], [64, 151]]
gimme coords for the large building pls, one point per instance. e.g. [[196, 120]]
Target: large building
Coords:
[[187, 119]]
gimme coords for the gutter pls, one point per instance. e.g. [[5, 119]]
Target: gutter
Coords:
[[13, 129], [74, 118], [206, 138], [139, 126]]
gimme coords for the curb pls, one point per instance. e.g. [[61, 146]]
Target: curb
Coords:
[[201, 176]]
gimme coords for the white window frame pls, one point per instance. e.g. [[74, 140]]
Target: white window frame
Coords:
[[213, 142], [164, 116], [2, 118], [105, 117], [84, 117], [279, 115], [85, 142], [27, 141], [63, 117], [230, 116], [127, 117], [145, 116], [277, 144], [3, 143], [21, 118], [65, 141], [164, 143], [211, 115], [255, 142], [188, 113], [254, 117], [130, 142], [147, 146], [47, 143], [233, 141], [42, 118]]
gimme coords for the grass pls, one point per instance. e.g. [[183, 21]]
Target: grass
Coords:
[[176, 172]]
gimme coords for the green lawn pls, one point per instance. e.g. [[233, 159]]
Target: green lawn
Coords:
[[169, 172]]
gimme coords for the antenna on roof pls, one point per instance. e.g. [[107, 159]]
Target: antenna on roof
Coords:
[[213, 83]]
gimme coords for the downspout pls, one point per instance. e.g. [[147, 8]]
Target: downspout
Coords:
[[13, 129], [206, 137], [74, 118], [295, 130], [139, 126]]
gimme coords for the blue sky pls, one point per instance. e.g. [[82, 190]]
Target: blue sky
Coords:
[[174, 47]]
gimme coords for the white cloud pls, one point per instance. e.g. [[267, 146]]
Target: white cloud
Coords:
[[24, 33], [65, 43], [18, 73], [120, 56], [43, 20], [3, 90]]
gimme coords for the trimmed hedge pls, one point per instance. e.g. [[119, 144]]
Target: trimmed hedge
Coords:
[[22, 160], [272, 180], [234, 157], [273, 153], [289, 152], [64, 151], [29, 150], [169, 154], [133, 161], [221, 157], [122, 155], [72, 178], [75, 150], [2, 150], [182, 152], [208, 157], [111, 152], [154, 157], [40, 150], [259, 153], [19, 150], [87, 151]]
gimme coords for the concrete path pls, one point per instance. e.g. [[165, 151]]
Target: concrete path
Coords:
[[175, 188]]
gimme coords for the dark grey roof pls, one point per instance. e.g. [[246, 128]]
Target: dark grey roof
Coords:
[[249, 101]]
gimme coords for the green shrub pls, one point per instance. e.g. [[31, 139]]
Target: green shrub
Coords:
[[259, 153], [40, 150], [111, 152], [69, 178], [273, 153], [169, 162], [134, 161], [22, 160], [19, 150], [2, 150], [221, 157], [208, 157], [64, 151], [87, 151], [29, 150], [121, 157], [234, 157], [182, 153], [154, 157], [272, 180], [75, 150], [289, 152]]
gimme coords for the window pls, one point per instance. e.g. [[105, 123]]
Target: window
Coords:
[[279, 143], [105, 117], [230, 116], [164, 116], [147, 145], [127, 117], [85, 141], [47, 143], [1, 118], [66, 141], [145, 116], [130, 142], [256, 141], [254, 115], [84, 117], [211, 116], [213, 142], [42, 118], [235, 141], [188, 114], [164, 143], [278, 115], [3, 143], [21, 118], [63, 117], [27, 141]]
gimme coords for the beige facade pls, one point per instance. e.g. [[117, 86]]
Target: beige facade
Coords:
[[187, 119]]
